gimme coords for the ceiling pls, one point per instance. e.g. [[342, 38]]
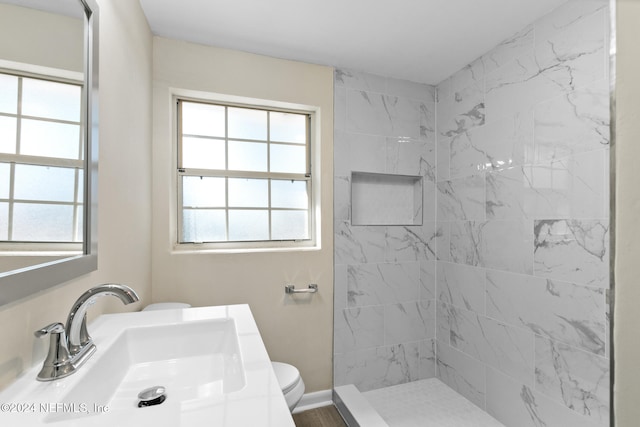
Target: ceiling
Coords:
[[419, 40]]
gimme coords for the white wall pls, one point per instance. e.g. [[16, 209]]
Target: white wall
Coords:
[[627, 212], [40, 38], [295, 330], [125, 199]]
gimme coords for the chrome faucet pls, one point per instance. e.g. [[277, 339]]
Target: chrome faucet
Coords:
[[70, 346]]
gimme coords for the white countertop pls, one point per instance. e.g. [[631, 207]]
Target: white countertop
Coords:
[[259, 403]]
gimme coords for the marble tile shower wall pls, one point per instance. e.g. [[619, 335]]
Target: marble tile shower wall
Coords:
[[384, 326], [523, 224]]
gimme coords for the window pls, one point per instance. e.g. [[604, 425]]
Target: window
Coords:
[[41, 162], [244, 174]]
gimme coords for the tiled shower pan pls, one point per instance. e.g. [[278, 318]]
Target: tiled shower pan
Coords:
[[425, 403]]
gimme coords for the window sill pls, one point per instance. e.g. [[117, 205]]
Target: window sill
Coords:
[[202, 249]]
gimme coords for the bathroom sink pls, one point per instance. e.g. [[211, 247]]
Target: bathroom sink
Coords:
[[211, 362]]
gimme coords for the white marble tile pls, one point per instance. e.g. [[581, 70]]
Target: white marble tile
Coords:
[[427, 359], [518, 45], [411, 157], [506, 245], [461, 285], [358, 328], [383, 115], [443, 150], [339, 108], [574, 377], [494, 146], [470, 75], [359, 152], [515, 404], [575, 251], [517, 86], [358, 80], [572, 123], [576, 56], [462, 373], [429, 194], [410, 243], [374, 284], [562, 311], [443, 244], [575, 187], [428, 121], [461, 199], [443, 89], [461, 111], [567, 15], [443, 324], [339, 288], [341, 198], [409, 89], [409, 321], [496, 344], [357, 244], [378, 367], [428, 280], [464, 242]]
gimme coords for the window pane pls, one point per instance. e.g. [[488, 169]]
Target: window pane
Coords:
[[248, 225], [247, 156], [203, 192], [203, 225], [289, 194], [8, 135], [79, 237], [50, 139], [203, 153], [8, 94], [80, 193], [287, 127], [245, 123], [4, 221], [44, 183], [202, 119], [42, 98], [289, 225], [288, 158], [248, 193], [5, 169], [42, 223]]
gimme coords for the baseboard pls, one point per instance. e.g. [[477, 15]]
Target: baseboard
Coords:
[[314, 400]]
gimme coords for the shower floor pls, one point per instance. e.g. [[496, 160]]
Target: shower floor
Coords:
[[424, 403]]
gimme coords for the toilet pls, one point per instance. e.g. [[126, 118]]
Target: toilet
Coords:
[[288, 376], [290, 382]]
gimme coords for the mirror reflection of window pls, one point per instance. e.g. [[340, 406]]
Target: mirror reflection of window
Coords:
[[41, 161]]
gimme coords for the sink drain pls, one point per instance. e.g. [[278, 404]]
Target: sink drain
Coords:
[[152, 396]]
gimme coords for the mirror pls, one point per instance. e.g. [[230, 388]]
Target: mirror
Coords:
[[48, 143]]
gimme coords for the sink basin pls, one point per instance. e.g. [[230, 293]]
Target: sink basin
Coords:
[[210, 360]]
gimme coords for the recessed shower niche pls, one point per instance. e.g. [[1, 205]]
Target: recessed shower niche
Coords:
[[385, 199]]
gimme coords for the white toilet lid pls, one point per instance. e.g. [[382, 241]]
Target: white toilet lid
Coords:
[[287, 375]]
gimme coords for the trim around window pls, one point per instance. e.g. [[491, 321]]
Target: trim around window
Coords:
[[309, 241]]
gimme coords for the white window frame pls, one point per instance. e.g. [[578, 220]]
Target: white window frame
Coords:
[[313, 164], [17, 247]]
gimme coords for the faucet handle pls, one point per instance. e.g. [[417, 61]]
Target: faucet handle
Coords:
[[54, 328], [56, 363]]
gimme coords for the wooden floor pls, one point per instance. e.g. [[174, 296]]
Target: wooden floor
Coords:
[[326, 416]]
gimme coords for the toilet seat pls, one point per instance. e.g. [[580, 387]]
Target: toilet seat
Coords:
[[290, 383]]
